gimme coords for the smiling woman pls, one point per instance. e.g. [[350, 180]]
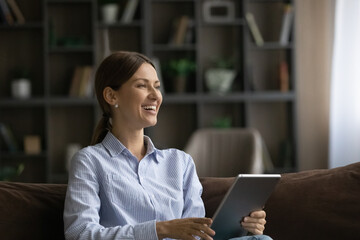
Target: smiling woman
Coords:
[[122, 187]]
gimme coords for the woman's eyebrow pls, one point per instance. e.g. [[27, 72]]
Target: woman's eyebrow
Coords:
[[145, 79]]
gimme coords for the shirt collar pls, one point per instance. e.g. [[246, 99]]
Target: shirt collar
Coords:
[[115, 147]]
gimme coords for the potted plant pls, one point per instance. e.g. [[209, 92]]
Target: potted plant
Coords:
[[8, 173], [219, 79], [180, 70]]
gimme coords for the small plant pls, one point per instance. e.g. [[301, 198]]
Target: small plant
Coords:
[[224, 63], [181, 67], [8, 173], [20, 73]]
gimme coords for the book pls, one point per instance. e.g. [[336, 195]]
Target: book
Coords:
[[254, 29], [190, 32], [85, 83], [129, 11], [287, 22], [180, 26], [81, 83], [17, 12], [8, 17], [76, 81], [8, 138], [284, 76]]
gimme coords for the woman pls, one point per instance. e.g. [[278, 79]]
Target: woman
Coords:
[[122, 187]]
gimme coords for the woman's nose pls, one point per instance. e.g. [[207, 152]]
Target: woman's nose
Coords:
[[155, 93]]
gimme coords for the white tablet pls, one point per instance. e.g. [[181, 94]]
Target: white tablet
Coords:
[[248, 193]]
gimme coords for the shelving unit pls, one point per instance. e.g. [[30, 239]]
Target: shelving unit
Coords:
[[60, 35]]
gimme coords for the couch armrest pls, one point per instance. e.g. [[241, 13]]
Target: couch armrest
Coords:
[[316, 204]]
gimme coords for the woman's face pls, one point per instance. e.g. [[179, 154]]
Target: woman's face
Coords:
[[139, 99]]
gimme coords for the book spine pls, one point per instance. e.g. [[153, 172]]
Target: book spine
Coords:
[[254, 29], [284, 76], [9, 138], [181, 30], [129, 11], [286, 24], [17, 12]]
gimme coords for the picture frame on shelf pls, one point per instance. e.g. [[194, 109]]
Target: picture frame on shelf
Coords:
[[217, 11]]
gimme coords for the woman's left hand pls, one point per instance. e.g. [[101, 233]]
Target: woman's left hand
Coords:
[[255, 223]]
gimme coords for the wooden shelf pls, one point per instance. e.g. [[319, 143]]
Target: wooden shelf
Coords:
[[60, 119]]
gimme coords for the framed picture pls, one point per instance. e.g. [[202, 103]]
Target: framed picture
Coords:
[[217, 11]]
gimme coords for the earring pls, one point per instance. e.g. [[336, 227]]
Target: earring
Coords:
[[116, 105]]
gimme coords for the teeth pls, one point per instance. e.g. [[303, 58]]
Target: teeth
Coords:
[[149, 107]]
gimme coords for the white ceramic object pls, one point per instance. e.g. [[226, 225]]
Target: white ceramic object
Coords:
[[219, 80], [21, 88], [110, 12]]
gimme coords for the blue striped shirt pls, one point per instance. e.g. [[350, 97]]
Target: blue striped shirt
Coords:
[[112, 195]]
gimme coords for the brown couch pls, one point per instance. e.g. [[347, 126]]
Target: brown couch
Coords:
[[316, 204]]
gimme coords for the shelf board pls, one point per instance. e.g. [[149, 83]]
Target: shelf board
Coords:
[[272, 46], [234, 23], [69, 1], [31, 102], [20, 155], [71, 101], [172, 47], [267, 1], [27, 25], [275, 96], [247, 97], [134, 23], [172, 1], [176, 98], [70, 49], [271, 96]]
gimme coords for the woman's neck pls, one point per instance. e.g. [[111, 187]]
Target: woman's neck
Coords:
[[132, 140]]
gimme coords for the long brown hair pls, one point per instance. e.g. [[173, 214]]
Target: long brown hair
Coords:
[[113, 72]]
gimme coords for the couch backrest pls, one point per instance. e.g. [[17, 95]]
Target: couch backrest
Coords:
[[316, 204], [31, 211]]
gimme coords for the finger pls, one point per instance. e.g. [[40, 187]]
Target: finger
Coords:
[[204, 228], [258, 214], [203, 235], [207, 221], [254, 220], [254, 228]]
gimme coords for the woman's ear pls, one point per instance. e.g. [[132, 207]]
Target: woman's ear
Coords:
[[110, 96]]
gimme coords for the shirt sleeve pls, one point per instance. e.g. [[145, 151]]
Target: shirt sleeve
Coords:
[[193, 203], [82, 206]]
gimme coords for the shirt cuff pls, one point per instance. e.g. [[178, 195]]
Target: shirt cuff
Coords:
[[145, 231]]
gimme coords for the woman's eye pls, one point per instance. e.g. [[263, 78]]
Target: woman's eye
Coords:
[[141, 85], [158, 87]]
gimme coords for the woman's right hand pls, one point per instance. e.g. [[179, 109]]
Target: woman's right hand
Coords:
[[185, 229]]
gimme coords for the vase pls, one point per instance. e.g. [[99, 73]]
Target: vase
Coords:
[[21, 88], [219, 80], [110, 12]]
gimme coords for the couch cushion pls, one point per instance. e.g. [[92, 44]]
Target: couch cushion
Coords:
[[214, 190], [316, 204], [31, 211]]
